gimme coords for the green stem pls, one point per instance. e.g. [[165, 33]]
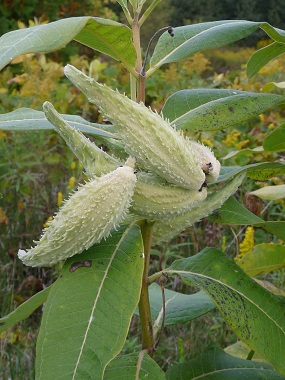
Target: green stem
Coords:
[[144, 304]]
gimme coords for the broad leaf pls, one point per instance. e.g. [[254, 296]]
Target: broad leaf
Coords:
[[217, 114], [26, 119], [263, 258], [89, 308], [270, 193], [106, 36], [261, 57], [134, 366], [245, 151], [179, 308], [250, 310], [216, 365], [184, 101], [232, 212], [277, 228], [212, 109], [24, 310], [260, 171], [275, 141], [190, 39]]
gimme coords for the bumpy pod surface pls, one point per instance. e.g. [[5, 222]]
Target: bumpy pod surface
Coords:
[[155, 199], [85, 218], [94, 160], [146, 136], [166, 230], [208, 162]]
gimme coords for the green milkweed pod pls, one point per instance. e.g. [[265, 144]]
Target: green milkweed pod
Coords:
[[167, 229], [94, 160], [147, 137], [86, 217], [155, 199]]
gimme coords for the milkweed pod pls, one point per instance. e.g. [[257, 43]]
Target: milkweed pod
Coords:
[[146, 135], [208, 162], [167, 229], [94, 160], [156, 199], [86, 217]]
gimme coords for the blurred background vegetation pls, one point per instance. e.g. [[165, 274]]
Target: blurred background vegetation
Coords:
[[37, 170]]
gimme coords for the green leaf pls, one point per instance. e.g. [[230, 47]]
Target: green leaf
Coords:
[[268, 87], [260, 171], [263, 258], [219, 113], [26, 119], [263, 56], [106, 36], [126, 367], [217, 365], [24, 310], [232, 212], [270, 193], [275, 141], [250, 310], [258, 149], [190, 39], [184, 101], [179, 308], [89, 308], [276, 228]]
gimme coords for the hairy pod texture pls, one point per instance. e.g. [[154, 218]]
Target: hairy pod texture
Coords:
[[86, 217], [94, 160], [167, 229], [155, 199], [146, 135]]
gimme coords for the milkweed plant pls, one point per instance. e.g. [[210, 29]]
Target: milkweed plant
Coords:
[[151, 183]]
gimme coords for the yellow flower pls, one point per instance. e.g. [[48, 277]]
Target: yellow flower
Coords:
[[71, 182], [45, 225], [2, 135], [207, 142], [73, 165], [231, 139], [59, 198], [248, 242]]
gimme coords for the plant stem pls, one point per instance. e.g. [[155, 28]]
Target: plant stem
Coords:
[[144, 305]]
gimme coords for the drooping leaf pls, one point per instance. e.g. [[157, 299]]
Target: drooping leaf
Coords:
[[275, 141], [26, 119], [270, 193], [268, 87], [260, 171], [217, 108], [179, 308], [88, 311], [190, 39], [263, 56], [106, 36], [227, 108], [263, 258], [215, 364], [126, 367], [232, 212], [249, 309], [24, 310]]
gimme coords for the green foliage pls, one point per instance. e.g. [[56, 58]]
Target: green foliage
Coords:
[[91, 303]]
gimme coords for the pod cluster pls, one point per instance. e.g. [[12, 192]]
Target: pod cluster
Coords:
[[169, 181]]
